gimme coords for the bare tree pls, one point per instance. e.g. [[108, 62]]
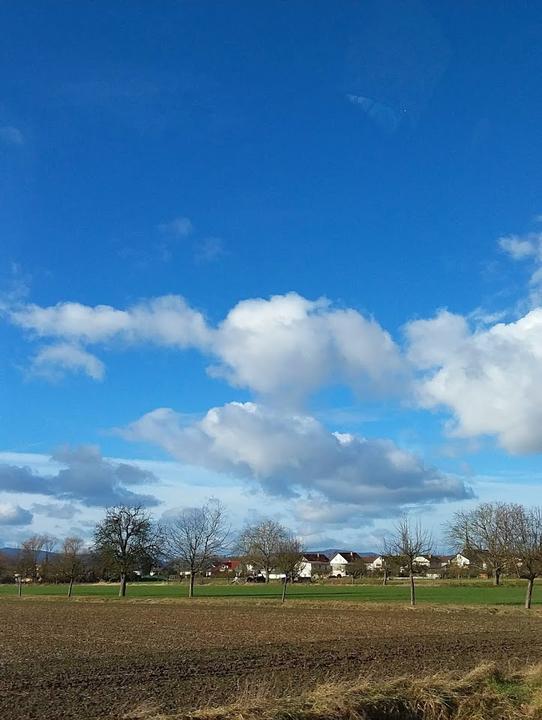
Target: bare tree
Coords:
[[47, 566], [289, 560], [525, 548], [409, 542], [390, 565], [357, 569], [260, 543], [71, 563], [480, 533], [126, 538], [28, 563], [195, 537], [6, 568]]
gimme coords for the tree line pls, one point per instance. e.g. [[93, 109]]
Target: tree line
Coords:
[[504, 538]]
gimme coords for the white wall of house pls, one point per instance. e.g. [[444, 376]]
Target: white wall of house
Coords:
[[339, 565], [311, 569], [376, 564], [274, 575], [422, 561]]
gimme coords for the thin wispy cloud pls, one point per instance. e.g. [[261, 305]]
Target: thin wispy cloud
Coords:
[[209, 250], [10, 135], [58, 511], [179, 227], [386, 117]]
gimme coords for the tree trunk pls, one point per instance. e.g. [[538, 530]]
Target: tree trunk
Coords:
[[385, 580], [191, 584], [496, 577], [284, 589], [529, 593], [20, 588], [122, 588], [70, 588], [412, 589], [266, 575]]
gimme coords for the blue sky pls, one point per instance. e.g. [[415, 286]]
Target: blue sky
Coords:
[[315, 229]]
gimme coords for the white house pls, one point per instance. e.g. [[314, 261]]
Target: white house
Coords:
[[376, 564], [422, 561], [341, 561], [314, 564], [461, 560]]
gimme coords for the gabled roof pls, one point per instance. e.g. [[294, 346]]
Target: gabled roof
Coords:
[[315, 557], [473, 555], [348, 555]]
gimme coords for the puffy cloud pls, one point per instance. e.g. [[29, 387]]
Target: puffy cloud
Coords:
[[285, 346], [14, 515], [295, 455], [51, 360], [166, 320], [11, 135], [87, 478], [489, 378], [291, 345], [432, 341]]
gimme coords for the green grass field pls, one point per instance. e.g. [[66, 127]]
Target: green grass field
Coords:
[[442, 593]]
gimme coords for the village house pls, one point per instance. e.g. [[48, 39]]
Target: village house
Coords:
[[431, 565], [226, 566], [376, 564], [469, 561], [314, 565], [342, 561]]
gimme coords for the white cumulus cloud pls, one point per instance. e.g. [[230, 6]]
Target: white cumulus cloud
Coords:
[[64, 356], [490, 379], [291, 345], [166, 320], [286, 346], [293, 454]]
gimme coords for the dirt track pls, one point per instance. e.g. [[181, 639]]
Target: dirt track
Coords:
[[86, 659]]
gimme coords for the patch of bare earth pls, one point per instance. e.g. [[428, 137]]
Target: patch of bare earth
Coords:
[[86, 659]]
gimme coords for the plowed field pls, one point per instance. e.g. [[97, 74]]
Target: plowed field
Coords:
[[96, 659]]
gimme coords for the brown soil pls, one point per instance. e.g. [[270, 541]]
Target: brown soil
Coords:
[[84, 659]]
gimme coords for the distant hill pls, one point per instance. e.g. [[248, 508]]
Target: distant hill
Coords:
[[11, 552]]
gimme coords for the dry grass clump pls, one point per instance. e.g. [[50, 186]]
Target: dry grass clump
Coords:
[[483, 694]]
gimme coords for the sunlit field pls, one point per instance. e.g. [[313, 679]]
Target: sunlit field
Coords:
[[261, 660], [451, 592]]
